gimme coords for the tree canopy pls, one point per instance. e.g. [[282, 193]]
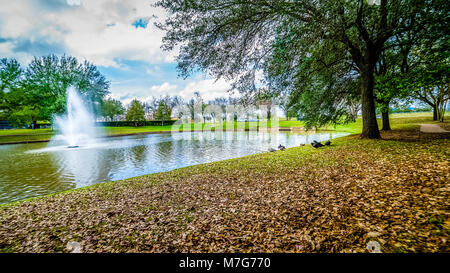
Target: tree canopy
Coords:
[[47, 79], [328, 44], [135, 112], [39, 91], [111, 108], [164, 111]]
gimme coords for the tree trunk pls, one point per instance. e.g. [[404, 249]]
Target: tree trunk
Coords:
[[441, 110], [435, 112], [370, 125], [385, 118]]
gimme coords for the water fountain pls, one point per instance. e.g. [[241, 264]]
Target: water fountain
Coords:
[[77, 126]]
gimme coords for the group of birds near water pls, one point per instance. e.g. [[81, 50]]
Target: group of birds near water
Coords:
[[315, 144]]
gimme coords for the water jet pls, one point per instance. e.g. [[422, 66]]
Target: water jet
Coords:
[[77, 125]]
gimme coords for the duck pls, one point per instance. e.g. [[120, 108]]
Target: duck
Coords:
[[281, 147], [316, 144], [328, 143]]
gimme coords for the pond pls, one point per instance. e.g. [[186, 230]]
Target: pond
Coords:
[[29, 170]]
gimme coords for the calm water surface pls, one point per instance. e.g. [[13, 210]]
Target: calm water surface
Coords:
[[29, 170]]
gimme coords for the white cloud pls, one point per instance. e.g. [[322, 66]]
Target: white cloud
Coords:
[[208, 89], [163, 89], [143, 94], [16, 19], [90, 37], [74, 2], [100, 31]]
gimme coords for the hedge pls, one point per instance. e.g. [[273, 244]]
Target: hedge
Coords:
[[133, 123]]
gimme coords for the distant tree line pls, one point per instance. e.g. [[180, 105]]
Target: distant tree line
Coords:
[[197, 109]]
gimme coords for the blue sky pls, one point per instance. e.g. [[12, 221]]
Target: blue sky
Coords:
[[117, 36]]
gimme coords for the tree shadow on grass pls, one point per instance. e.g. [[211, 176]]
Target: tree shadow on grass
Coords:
[[409, 135]]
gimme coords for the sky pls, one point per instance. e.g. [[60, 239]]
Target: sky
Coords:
[[118, 36]]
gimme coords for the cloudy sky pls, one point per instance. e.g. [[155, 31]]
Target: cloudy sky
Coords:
[[118, 36]]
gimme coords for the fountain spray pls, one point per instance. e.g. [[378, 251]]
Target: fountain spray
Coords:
[[77, 126]]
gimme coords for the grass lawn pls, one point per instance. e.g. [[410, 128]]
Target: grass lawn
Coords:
[[133, 130], [25, 132], [24, 135], [332, 199]]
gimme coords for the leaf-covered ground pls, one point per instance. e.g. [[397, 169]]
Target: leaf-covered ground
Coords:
[[333, 199]]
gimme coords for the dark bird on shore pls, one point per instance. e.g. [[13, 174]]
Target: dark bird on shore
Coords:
[[328, 143], [272, 150], [281, 147], [316, 144]]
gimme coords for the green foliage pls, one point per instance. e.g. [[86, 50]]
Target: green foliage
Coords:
[[415, 65], [135, 112], [299, 44], [39, 92], [24, 115], [321, 103], [48, 77], [11, 75], [111, 108], [429, 81], [164, 111]]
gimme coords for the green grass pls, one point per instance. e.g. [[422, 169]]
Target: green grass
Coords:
[[291, 123], [25, 132], [25, 135], [25, 138], [406, 121], [133, 130]]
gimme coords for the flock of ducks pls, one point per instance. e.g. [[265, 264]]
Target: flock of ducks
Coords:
[[315, 144]]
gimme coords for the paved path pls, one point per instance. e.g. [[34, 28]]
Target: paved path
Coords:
[[432, 128]]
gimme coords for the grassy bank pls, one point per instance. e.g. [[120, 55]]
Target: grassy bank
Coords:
[[333, 199]]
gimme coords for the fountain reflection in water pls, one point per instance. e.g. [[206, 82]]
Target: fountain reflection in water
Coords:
[[77, 126]]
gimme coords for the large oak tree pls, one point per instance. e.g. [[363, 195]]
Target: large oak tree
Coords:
[[233, 39]]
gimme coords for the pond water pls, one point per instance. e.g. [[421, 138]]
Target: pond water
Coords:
[[29, 170]]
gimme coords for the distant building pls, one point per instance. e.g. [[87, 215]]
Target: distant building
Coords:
[[120, 117], [149, 116]]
